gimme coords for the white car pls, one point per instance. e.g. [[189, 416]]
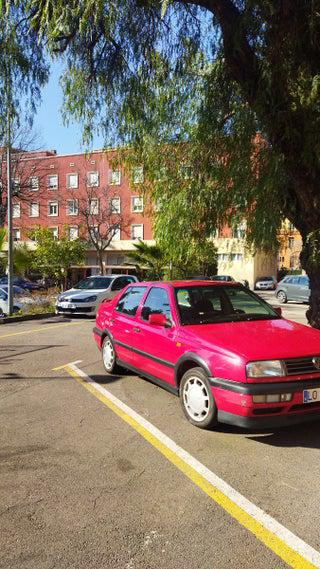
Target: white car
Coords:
[[87, 295], [22, 299]]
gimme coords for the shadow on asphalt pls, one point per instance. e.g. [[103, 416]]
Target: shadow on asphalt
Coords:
[[106, 379], [306, 435], [16, 351]]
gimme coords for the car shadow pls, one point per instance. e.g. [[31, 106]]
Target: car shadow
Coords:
[[304, 436], [106, 379]]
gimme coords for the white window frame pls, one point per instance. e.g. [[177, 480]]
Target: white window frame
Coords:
[[94, 210], [17, 207], [73, 187], [95, 183], [16, 231], [55, 203], [70, 228], [33, 183], [135, 208], [55, 232], [134, 225], [75, 208], [116, 209], [51, 186], [138, 175], [15, 182], [37, 209], [114, 177], [236, 257], [117, 235]]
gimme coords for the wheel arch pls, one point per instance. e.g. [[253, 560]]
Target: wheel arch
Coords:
[[188, 361]]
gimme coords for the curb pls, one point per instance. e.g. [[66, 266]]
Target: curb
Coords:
[[13, 319]]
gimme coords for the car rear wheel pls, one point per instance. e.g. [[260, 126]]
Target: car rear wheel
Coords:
[[109, 356], [197, 400], [282, 297]]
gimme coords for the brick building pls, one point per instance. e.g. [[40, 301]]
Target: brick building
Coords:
[[52, 187]]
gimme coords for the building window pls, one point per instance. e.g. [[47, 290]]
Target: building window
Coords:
[[94, 206], [136, 204], [33, 210], [72, 207], [115, 205], [72, 181], [16, 235], [114, 177], [239, 231], [52, 182], [16, 210], [15, 185], [92, 179], [116, 235], [53, 209], [223, 257], [291, 242], [94, 232], [137, 175], [236, 257], [137, 231], [73, 232], [34, 183], [55, 232]]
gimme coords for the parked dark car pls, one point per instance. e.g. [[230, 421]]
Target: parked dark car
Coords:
[[293, 287], [22, 283]]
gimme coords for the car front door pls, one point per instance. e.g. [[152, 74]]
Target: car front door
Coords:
[[122, 322], [156, 349]]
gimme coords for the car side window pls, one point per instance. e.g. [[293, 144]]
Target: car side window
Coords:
[[117, 284], [289, 280], [130, 300], [3, 295], [295, 280], [157, 302], [304, 281]]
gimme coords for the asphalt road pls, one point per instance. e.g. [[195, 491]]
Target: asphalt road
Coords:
[[81, 488]]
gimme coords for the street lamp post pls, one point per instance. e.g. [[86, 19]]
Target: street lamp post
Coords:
[[9, 178]]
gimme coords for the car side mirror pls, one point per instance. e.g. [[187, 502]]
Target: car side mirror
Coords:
[[157, 320], [278, 310], [106, 300]]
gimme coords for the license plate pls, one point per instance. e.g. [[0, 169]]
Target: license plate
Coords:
[[311, 395], [66, 305]]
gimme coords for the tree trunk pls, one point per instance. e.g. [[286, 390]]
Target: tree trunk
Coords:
[[310, 262], [100, 261]]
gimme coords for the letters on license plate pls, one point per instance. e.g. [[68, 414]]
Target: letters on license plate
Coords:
[[66, 305], [311, 395]]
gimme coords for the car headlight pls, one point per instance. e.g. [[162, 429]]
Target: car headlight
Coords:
[[59, 297], [89, 299], [266, 368]]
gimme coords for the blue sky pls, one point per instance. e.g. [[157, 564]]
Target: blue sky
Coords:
[[48, 121]]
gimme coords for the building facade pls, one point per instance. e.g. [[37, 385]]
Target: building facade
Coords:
[[57, 190]]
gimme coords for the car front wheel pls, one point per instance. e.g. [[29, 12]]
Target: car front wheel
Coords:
[[197, 400], [282, 297], [109, 356]]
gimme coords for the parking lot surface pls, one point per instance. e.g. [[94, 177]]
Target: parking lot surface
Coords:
[[84, 485]]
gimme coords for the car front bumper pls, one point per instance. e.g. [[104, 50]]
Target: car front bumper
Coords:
[[74, 308]]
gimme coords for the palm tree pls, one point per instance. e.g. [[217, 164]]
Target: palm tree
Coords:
[[21, 255], [149, 260]]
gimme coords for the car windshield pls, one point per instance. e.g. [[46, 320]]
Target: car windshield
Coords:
[[213, 304], [94, 283], [266, 279]]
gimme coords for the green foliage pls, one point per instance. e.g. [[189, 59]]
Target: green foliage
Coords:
[[149, 260], [53, 258], [21, 255]]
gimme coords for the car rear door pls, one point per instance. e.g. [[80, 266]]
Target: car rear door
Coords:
[[303, 289], [156, 349], [122, 322]]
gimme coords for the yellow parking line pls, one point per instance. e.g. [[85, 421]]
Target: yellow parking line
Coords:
[[291, 549], [43, 329]]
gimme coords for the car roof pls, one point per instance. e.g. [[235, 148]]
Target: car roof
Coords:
[[178, 284]]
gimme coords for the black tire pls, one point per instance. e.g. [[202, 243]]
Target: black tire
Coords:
[[16, 309], [198, 376], [282, 297], [113, 367]]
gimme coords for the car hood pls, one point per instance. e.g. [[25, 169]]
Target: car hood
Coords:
[[257, 340], [75, 293]]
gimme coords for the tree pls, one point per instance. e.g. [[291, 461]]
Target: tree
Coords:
[[150, 260], [53, 258], [100, 214], [237, 80], [21, 255]]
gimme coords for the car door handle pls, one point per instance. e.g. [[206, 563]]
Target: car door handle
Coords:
[[135, 329]]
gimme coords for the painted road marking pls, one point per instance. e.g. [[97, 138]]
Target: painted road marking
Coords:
[[290, 548], [44, 328]]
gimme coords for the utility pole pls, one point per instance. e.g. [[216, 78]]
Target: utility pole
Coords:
[[9, 180]]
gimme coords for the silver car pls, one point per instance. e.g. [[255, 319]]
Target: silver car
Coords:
[[265, 283], [87, 295], [293, 287]]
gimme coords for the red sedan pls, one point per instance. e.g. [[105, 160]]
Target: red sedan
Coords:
[[229, 355]]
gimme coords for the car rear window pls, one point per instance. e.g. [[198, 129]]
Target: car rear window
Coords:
[[207, 305], [130, 300]]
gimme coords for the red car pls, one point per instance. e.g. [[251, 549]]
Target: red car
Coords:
[[229, 355]]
